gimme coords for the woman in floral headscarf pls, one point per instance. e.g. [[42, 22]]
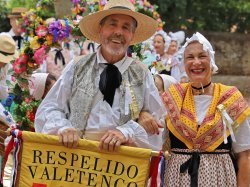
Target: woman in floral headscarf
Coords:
[[207, 122]]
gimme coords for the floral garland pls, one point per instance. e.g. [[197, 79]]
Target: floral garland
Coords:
[[40, 36]]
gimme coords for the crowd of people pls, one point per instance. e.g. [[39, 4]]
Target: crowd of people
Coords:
[[165, 102]]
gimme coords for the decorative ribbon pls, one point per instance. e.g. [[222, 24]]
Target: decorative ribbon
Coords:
[[19, 40], [154, 169], [134, 110], [67, 27], [14, 144], [110, 79], [59, 56], [162, 169], [227, 123], [128, 97], [193, 164]]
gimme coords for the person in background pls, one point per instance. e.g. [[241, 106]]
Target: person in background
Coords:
[[40, 84], [173, 56], [167, 64], [56, 60], [16, 31], [7, 54], [99, 96]]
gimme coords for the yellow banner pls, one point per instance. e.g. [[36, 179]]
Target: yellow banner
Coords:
[[46, 163]]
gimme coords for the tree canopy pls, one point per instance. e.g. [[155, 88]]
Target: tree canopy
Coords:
[[191, 15], [211, 15]]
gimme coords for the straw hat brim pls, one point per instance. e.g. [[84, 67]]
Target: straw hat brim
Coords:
[[8, 58], [146, 26]]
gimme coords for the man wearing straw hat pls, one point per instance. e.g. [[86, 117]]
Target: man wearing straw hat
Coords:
[[7, 54], [15, 31], [99, 96]]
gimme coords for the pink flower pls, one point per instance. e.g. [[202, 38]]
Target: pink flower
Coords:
[[41, 31], [19, 66], [103, 2], [27, 100], [40, 55], [13, 79], [132, 1]]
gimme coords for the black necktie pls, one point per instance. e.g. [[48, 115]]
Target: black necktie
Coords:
[[110, 79], [18, 39]]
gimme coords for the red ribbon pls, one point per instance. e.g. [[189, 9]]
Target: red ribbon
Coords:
[[11, 145], [39, 185], [154, 169]]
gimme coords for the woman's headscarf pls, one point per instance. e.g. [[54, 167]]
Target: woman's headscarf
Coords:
[[37, 85], [166, 38], [206, 47]]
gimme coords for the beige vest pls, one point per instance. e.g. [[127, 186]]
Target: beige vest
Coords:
[[84, 89]]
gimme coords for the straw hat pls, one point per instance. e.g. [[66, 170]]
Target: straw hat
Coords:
[[37, 85], [146, 26], [17, 12], [7, 49]]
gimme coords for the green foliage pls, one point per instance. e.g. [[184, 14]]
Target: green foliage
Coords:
[[211, 15], [46, 9], [22, 3], [4, 21]]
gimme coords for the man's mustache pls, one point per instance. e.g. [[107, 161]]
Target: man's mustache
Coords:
[[117, 37]]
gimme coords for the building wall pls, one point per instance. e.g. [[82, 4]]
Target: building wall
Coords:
[[232, 56], [232, 52]]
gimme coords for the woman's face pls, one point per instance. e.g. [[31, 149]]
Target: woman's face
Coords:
[[197, 64], [172, 48], [159, 44]]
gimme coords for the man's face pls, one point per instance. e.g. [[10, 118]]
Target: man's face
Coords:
[[116, 33], [16, 26]]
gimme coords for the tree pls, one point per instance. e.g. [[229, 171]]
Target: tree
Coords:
[[4, 21], [211, 15]]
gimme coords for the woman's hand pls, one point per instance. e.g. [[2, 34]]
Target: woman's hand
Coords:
[[149, 123]]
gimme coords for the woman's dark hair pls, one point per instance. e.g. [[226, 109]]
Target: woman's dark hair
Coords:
[[49, 81]]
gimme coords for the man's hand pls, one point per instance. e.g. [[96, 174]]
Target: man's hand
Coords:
[[69, 137], [111, 140], [149, 123]]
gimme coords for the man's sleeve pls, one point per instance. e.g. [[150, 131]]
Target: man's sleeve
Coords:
[[152, 104], [52, 114]]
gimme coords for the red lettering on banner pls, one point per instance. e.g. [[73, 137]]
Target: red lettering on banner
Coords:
[[39, 185]]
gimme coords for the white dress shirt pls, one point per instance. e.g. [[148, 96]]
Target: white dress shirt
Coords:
[[52, 114]]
